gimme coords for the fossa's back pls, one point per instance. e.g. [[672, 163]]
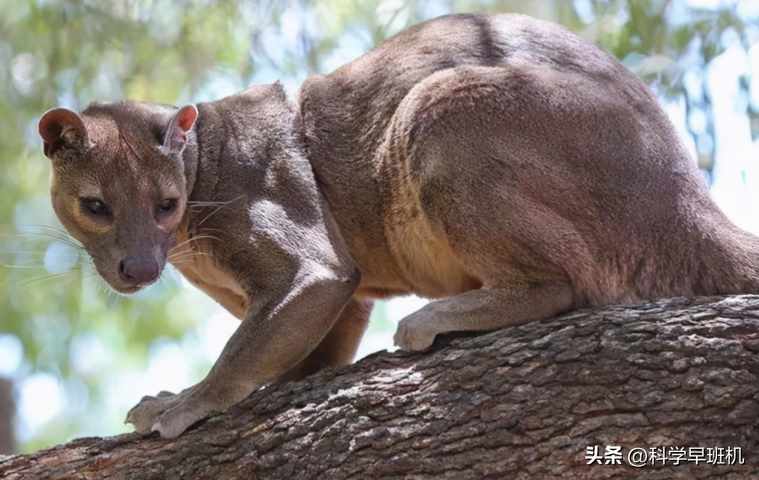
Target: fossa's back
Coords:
[[565, 153]]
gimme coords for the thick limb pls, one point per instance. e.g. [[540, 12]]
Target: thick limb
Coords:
[[482, 310], [273, 338], [341, 343]]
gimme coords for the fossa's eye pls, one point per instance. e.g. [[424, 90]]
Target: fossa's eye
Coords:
[[167, 206], [95, 207]]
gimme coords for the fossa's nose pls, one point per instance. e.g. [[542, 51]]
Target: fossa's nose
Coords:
[[138, 270]]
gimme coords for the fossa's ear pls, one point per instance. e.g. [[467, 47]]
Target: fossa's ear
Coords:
[[61, 127], [180, 125]]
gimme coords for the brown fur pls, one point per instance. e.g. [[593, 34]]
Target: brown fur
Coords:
[[498, 163], [339, 346], [194, 258]]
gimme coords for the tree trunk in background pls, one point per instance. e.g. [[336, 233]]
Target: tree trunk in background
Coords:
[[522, 403], [7, 415]]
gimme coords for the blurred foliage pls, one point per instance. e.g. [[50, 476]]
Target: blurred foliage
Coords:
[[59, 52]]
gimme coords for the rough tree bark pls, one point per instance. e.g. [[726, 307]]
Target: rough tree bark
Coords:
[[520, 403]]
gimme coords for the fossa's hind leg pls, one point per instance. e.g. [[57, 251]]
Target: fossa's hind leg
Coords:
[[482, 310], [484, 174], [339, 346]]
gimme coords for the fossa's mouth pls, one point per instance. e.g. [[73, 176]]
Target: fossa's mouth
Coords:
[[130, 289]]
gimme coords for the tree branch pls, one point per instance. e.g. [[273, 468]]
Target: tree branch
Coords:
[[520, 403]]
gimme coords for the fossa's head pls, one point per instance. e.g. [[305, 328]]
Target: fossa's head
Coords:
[[118, 183]]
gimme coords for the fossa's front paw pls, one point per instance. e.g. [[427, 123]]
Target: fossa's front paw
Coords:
[[414, 332], [144, 414], [167, 413], [174, 421]]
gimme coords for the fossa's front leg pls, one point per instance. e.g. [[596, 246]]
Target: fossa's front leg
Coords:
[[340, 345], [482, 310], [275, 335]]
